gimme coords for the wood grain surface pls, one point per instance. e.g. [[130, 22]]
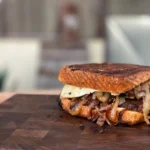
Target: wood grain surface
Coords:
[[36, 122]]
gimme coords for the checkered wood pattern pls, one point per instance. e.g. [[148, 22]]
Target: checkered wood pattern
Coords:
[[30, 122]]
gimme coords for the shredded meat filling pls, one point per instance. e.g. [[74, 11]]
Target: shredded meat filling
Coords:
[[99, 105], [102, 108], [134, 105]]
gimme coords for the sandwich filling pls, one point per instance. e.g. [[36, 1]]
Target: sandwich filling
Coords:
[[103, 105]]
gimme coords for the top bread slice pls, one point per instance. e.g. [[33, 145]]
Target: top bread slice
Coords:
[[107, 77]]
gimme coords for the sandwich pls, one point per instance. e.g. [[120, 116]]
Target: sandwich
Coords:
[[107, 93]]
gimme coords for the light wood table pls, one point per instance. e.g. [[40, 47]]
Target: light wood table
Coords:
[[6, 95]]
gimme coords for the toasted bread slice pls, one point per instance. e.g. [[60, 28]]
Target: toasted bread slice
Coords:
[[106, 77], [123, 116], [129, 117]]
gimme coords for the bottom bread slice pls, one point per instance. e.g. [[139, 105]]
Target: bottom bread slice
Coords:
[[123, 116]]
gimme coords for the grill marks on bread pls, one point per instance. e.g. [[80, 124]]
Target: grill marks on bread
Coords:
[[110, 69], [106, 77]]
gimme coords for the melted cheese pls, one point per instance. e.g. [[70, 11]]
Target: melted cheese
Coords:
[[70, 91], [146, 103]]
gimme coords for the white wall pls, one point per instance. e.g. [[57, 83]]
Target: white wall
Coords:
[[20, 58]]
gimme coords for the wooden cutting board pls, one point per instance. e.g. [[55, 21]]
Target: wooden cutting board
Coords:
[[36, 122]]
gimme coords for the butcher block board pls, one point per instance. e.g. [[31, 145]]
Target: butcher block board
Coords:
[[36, 122]]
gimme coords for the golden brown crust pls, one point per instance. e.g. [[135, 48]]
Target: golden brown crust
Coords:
[[66, 103], [107, 77], [130, 117], [123, 116]]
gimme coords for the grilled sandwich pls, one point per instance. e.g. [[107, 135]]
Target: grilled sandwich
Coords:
[[107, 93]]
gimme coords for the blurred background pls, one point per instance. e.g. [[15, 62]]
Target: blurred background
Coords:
[[38, 37]]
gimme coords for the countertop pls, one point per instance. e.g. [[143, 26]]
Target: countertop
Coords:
[[6, 95]]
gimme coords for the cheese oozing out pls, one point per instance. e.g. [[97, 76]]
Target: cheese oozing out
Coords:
[[70, 91]]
